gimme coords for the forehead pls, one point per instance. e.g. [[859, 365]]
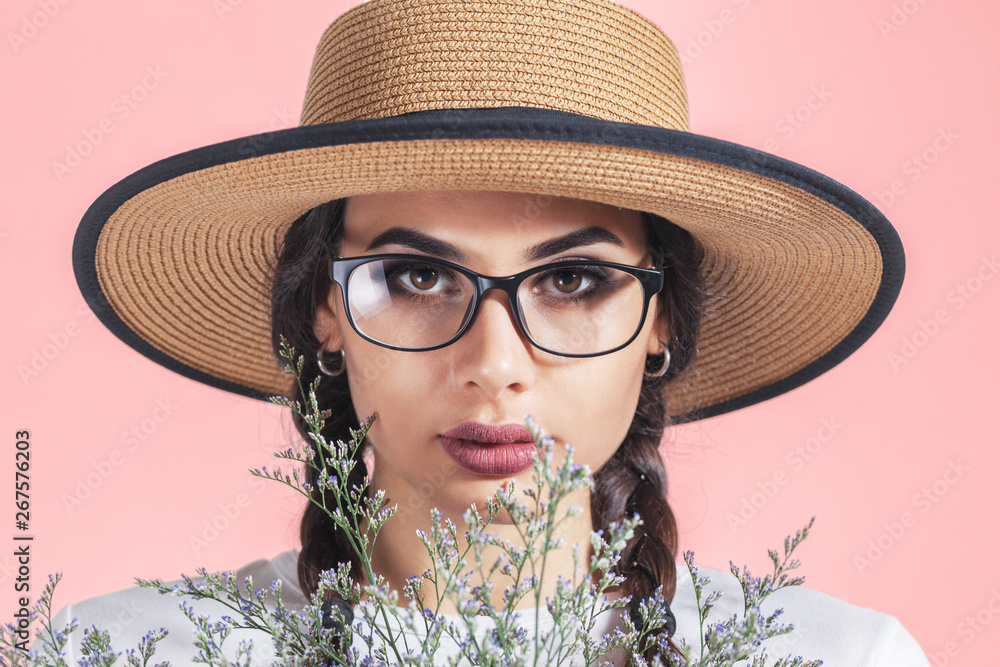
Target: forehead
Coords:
[[485, 225]]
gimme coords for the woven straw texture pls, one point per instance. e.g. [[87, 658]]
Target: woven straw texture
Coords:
[[197, 281], [185, 263], [593, 58]]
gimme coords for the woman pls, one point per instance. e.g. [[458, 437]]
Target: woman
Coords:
[[498, 370], [480, 134]]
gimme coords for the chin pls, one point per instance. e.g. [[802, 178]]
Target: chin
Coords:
[[460, 497]]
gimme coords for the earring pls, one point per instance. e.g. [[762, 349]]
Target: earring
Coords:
[[666, 363], [322, 366]]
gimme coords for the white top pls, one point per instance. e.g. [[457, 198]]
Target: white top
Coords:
[[839, 633]]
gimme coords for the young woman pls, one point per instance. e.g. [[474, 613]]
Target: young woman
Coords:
[[494, 209], [490, 363]]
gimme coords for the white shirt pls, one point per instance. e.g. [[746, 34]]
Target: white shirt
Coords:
[[839, 633]]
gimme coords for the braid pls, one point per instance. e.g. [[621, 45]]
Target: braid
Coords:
[[299, 285], [324, 544], [634, 480]]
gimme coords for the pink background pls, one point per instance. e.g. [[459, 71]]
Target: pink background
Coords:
[[878, 99]]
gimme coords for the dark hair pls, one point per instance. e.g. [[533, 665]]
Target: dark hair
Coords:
[[634, 480]]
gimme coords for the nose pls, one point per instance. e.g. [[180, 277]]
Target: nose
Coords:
[[492, 353]]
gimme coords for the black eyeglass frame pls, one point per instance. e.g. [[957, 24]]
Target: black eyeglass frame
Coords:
[[651, 280]]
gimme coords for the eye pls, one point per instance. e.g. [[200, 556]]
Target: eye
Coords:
[[422, 278], [567, 281], [572, 281]]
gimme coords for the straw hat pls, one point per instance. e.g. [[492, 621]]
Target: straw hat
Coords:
[[578, 98]]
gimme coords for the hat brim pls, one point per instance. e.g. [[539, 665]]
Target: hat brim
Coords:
[[175, 258]]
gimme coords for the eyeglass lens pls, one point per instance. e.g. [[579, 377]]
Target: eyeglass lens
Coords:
[[580, 309]]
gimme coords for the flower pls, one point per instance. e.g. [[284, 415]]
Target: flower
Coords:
[[324, 631]]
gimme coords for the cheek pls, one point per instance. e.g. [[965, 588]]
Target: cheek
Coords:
[[397, 388], [602, 406]]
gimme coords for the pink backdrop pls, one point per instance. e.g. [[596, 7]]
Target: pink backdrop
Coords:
[[894, 99]]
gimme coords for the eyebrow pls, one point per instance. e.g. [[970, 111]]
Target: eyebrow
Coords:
[[430, 245]]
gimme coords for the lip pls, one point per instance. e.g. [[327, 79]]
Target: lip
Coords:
[[489, 434], [506, 449]]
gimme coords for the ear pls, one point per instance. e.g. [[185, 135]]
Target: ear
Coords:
[[661, 328], [654, 343], [327, 329]]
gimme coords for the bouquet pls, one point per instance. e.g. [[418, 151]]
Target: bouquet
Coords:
[[326, 632]]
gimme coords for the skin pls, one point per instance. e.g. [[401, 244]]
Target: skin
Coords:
[[492, 374]]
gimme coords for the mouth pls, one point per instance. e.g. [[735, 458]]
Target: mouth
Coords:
[[507, 449]]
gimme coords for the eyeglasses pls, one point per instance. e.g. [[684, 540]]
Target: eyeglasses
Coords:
[[572, 308]]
